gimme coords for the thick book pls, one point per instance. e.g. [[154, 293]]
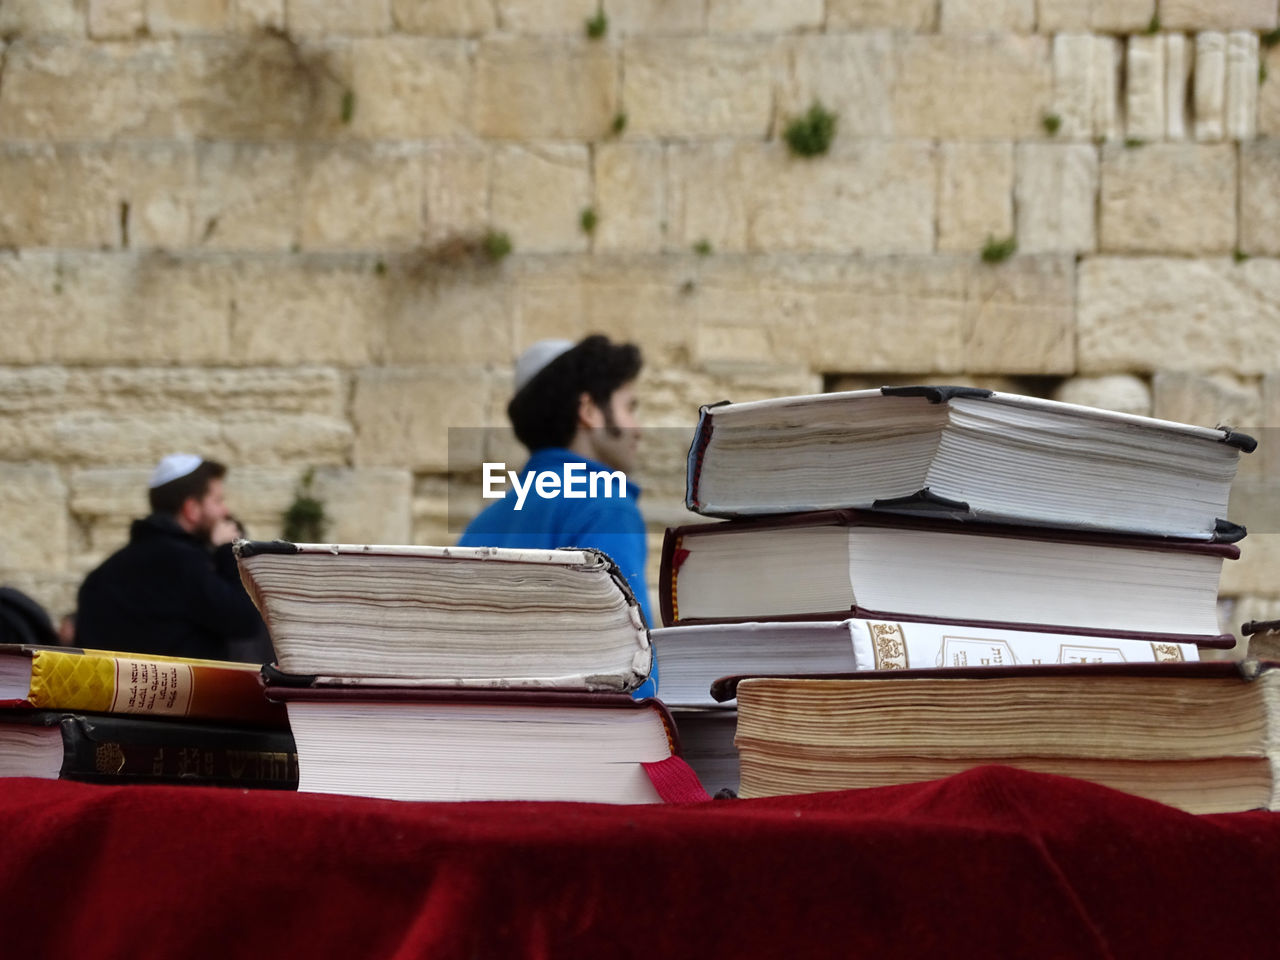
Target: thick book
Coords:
[[102, 681], [1198, 736], [833, 565], [447, 616], [459, 744], [694, 656], [965, 452], [54, 744]]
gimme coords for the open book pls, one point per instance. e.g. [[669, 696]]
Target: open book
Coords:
[[967, 452]]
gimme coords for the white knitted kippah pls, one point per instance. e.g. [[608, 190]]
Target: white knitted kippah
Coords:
[[534, 360], [172, 467]]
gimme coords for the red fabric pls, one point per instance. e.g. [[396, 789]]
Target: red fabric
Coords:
[[991, 863], [675, 781]]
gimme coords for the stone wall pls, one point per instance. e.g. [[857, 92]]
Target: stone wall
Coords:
[[255, 229]]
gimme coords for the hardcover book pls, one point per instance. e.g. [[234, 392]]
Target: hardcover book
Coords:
[[439, 744], [447, 616], [965, 452], [1198, 736], [117, 749], [694, 656], [834, 565], [65, 678]]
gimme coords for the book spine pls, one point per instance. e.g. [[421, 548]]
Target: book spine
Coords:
[[139, 685], [103, 752], [697, 450]]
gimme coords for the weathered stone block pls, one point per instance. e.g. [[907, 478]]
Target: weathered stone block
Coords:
[[449, 18], [1120, 392], [1172, 198], [158, 182], [442, 315], [458, 176], [1269, 93], [33, 503], [249, 196], [1019, 317], [29, 307], [1057, 193], [35, 17], [1217, 15], [116, 19], [366, 506], [975, 195], [1085, 77], [341, 17], [202, 391], [1210, 88], [1260, 197], [987, 86], [1102, 16], [1144, 88], [630, 184], [662, 17], [119, 493], [268, 438], [702, 87], [166, 17], [1157, 313], [545, 16], [707, 200], [539, 193], [849, 74], [536, 88], [919, 15], [983, 16], [763, 16], [360, 196], [1242, 85], [31, 389], [409, 88], [402, 415], [1212, 400], [256, 14], [1257, 571], [57, 196], [1177, 72]]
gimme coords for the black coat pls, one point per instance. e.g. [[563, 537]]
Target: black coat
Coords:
[[166, 593]]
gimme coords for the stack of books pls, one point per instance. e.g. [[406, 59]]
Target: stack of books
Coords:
[[123, 718], [452, 673], [918, 528]]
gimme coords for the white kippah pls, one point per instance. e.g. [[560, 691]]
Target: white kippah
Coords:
[[172, 467], [536, 359]]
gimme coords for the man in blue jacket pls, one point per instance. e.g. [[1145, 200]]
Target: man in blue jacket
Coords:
[[575, 410]]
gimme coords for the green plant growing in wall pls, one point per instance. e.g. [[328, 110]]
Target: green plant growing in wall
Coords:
[[811, 134], [588, 220], [1052, 123], [619, 123], [348, 105], [1132, 143], [496, 245], [598, 25], [305, 520], [1270, 38], [702, 248], [997, 251], [1154, 26], [1239, 256]]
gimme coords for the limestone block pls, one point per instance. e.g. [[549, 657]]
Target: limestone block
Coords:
[[1057, 194], [545, 16], [116, 19], [1242, 85], [448, 315], [203, 391], [1101, 16], [763, 16], [1019, 316], [672, 397], [1085, 77], [975, 195], [269, 438], [402, 415], [707, 200], [1260, 197], [1120, 392], [1144, 88], [1210, 86], [88, 436], [31, 389], [1258, 569], [1213, 400], [1217, 15], [342, 17], [849, 74], [1177, 74], [987, 16], [33, 503], [1138, 314], [158, 182], [630, 185], [249, 196], [545, 88], [35, 17], [458, 176], [57, 196], [698, 87], [119, 493], [1175, 198], [256, 14], [444, 505], [663, 17], [449, 18], [366, 506], [29, 306], [919, 15], [259, 496], [1269, 93], [165, 17], [409, 88], [727, 347], [993, 86], [1268, 433], [362, 195], [539, 193]]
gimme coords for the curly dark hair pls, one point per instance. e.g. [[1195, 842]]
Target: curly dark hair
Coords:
[[544, 412]]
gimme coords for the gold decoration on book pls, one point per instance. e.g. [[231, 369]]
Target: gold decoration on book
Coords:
[[1167, 652], [889, 644], [108, 758]]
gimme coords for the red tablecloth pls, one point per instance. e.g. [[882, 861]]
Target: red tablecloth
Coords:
[[994, 862]]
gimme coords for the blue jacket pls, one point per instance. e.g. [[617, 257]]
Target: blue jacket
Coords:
[[610, 524]]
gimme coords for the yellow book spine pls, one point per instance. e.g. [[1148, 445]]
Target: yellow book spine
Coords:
[[110, 684]]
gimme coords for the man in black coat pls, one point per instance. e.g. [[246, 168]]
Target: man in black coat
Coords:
[[174, 589]]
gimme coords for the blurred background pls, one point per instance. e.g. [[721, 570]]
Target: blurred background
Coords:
[[307, 237]]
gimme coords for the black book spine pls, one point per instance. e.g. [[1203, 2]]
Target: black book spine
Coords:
[[124, 750]]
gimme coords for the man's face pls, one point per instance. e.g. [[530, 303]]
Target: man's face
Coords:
[[205, 513], [616, 441]]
